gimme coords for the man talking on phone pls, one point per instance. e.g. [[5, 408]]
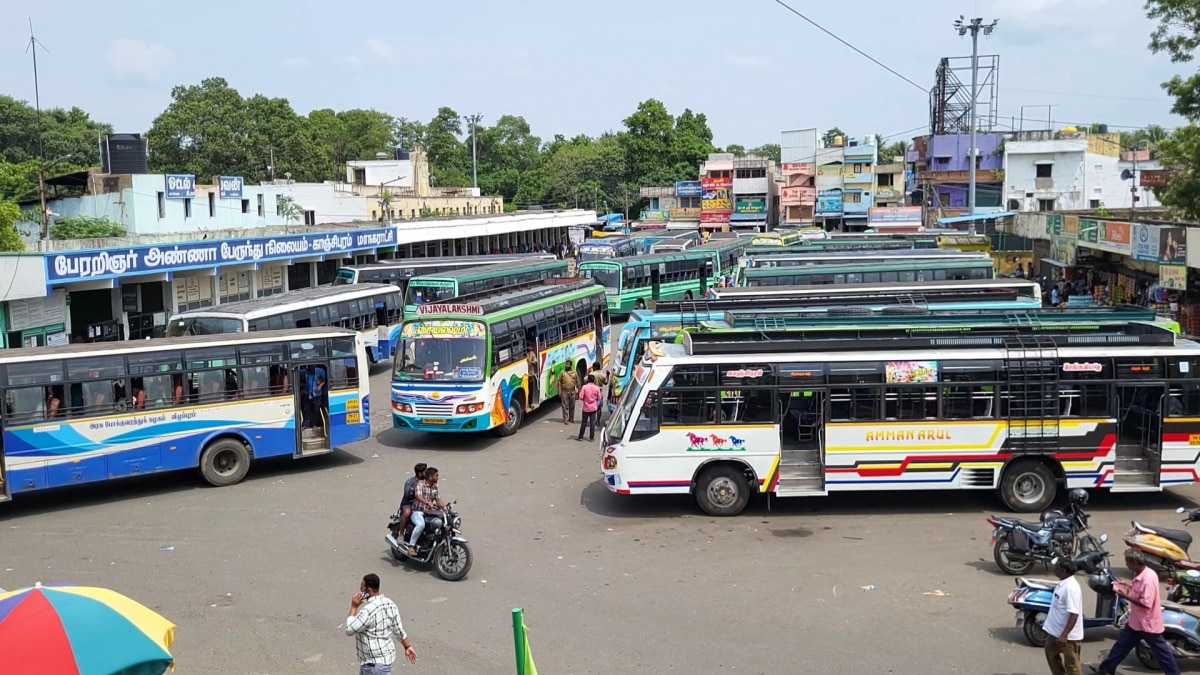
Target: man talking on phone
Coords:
[[373, 620]]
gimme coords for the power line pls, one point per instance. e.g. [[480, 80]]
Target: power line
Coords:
[[870, 58]]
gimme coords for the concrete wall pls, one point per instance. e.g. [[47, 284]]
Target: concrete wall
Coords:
[[393, 173], [330, 204], [25, 274], [956, 147], [1066, 184]]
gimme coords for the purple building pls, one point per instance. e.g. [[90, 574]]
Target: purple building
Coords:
[[942, 170]]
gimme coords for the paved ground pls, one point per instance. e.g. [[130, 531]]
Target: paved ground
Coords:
[[259, 576]]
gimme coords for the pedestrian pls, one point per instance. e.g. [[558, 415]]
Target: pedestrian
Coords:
[[568, 389], [590, 397], [604, 381], [1145, 619], [373, 620], [1063, 623]]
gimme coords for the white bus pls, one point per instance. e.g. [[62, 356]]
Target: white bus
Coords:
[[374, 310], [799, 259], [972, 290], [1019, 409], [398, 271], [93, 412]]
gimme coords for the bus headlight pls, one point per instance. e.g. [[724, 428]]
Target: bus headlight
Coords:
[[468, 408], [402, 407], [610, 463]]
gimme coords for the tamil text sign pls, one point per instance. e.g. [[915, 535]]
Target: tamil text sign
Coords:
[[798, 169], [754, 206], [829, 202], [231, 187], [655, 215], [714, 217], [180, 186], [1153, 178], [110, 263], [716, 194], [689, 188], [1173, 276], [1145, 242], [894, 215], [798, 196]]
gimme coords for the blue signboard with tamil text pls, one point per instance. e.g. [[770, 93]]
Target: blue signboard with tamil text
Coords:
[[689, 188], [181, 186], [231, 187], [120, 262]]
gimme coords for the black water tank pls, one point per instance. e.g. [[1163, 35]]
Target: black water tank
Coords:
[[400, 153], [124, 153]]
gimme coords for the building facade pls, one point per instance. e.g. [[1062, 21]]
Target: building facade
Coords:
[[889, 185], [1069, 170], [859, 157], [755, 194], [941, 166], [798, 196], [830, 168], [716, 203]]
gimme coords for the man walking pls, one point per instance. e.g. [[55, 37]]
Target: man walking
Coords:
[[1064, 623], [373, 621], [589, 396], [568, 389], [1145, 618], [602, 381]]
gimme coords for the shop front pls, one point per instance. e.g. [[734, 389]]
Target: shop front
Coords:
[[37, 322]]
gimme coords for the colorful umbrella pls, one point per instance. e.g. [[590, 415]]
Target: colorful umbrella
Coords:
[[77, 630]]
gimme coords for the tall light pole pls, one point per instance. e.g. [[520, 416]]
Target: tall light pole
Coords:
[[974, 27], [474, 120]]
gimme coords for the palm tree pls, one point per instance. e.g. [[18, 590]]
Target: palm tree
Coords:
[[893, 152], [1155, 134]]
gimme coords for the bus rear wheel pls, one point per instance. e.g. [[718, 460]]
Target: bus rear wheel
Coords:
[[722, 490], [225, 462], [687, 296], [640, 304], [514, 418], [1027, 487]]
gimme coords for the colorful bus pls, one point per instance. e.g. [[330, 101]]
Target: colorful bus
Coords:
[[603, 249], [634, 283], [374, 310], [442, 287], [871, 273], [1022, 410], [399, 270], [800, 258], [464, 366], [780, 238], [648, 238], [93, 412]]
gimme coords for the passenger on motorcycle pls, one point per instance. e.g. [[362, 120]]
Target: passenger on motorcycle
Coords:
[[426, 502], [410, 488]]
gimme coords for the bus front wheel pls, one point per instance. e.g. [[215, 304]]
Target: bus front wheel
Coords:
[[722, 490], [640, 304], [516, 415], [225, 462]]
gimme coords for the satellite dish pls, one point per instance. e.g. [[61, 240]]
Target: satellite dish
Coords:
[[1126, 174]]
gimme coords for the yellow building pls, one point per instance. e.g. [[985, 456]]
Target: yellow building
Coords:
[[409, 192]]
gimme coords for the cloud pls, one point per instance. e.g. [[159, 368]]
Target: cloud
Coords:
[[748, 62], [139, 60], [293, 62], [380, 50]]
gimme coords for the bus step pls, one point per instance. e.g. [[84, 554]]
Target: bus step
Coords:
[[314, 446], [1132, 464], [1129, 451], [791, 485], [1132, 481]]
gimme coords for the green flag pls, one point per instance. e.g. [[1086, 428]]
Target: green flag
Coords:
[[521, 639]]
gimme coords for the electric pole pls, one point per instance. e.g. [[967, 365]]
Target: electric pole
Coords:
[[37, 104], [974, 27], [474, 121]]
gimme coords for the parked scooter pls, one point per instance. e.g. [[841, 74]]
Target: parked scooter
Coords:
[[1032, 598], [1181, 630], [1017, 545], [1163, 548]]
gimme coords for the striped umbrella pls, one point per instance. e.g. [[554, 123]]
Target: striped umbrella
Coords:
[[62, 629]]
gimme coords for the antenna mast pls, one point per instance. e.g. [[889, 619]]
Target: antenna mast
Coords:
[[37, 105]]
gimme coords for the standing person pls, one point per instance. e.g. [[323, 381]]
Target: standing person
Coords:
[[534, 364], [1064, 624], [1145, 618], [590, 397], [373, 620], [568, 389], [603, 381]]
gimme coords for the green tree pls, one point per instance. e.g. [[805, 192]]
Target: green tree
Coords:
[[64, 133], [831, 134], [893, 152], [690, 144], [648, 142], [409, 133], [1178, 35], [86, 227], [288, 208], [10, 240], [771, 150], [506, 151], [736, 150], [449, 159]]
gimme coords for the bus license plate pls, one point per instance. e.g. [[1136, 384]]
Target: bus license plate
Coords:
[[352, 404], [433, 421], [353, 418]]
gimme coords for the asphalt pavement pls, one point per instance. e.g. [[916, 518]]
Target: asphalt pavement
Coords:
[[259, 576]]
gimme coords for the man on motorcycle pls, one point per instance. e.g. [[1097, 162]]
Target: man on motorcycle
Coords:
[[426, 501], [410, 488]]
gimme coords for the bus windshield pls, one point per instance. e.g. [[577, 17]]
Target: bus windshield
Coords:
[[608, 277], [344, 277], [203, 325], [594, 252], [442, 350], [420, 293], [620, 417]]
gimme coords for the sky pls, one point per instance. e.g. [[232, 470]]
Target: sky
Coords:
[[582, 66]]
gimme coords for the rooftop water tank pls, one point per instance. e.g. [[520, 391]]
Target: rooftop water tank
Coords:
[[124, 153]]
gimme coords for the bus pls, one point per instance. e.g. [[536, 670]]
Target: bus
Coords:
[[871, 272], [674, 245], [443, 287], [726, 257], [86, 413], [788, 258], [633, 283], [374, 310], [603, 249], [398, 271], [464, 366], [848, 300], [780, 238], [648, 238], [1022, 410]]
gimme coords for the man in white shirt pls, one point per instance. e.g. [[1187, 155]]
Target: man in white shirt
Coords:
[[1064, 622], [373, 621]]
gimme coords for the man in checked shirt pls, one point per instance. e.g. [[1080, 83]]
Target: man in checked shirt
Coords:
[[373, 620]]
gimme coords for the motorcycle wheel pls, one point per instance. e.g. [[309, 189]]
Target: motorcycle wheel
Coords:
[[1012, 567], [398, 554], [453, 561], [1147, 657], [1035, 635]]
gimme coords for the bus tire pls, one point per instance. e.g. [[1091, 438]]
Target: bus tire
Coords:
[[1027, 486], [225, 461], [515, 416], [722, 490], [640, 304], [687, 296]]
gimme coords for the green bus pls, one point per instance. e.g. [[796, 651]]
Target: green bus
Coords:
[[725, 254], [871, 273], [634, 282], [471, 280], [468, 365]]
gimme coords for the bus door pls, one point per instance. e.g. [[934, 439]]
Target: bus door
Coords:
[[310, 387], [5, 495], [802, 415], [657, 273], [1139, 433], [598, 321]]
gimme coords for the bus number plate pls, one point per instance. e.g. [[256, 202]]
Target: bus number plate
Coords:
[[352, 404], [433, 421], [1194, 439], [353, 418]]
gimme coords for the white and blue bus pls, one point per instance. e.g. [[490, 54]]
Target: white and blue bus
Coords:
[[374, 310], [87, 413], [399, 270]]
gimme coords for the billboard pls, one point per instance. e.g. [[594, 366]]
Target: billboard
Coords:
[[655, 215], [1153, 178], [716, 183], [231, 187], [798, 196], [1145, 242], [829, 202], [714, 218], [689, 188], [750, 206], [1116, 237], [1172, 245], [180, 186], [798, 168], [716, 194], [894, 215], [1173, 276]]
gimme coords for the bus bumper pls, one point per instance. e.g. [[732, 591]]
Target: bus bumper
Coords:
[[480, 422]]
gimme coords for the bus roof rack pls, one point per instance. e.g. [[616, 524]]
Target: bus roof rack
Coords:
[[916, 315], [498, 267], [496, 299]]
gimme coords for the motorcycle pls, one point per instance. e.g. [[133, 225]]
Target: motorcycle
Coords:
[[1181, 630], [1017, 545], [1032, 598], [1165, 549], [441, 542]]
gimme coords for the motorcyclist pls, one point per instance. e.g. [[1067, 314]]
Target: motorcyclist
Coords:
[[410, 488], [425, 502]]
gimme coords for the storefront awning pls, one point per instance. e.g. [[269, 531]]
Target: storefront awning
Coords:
[[1055, 263]]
